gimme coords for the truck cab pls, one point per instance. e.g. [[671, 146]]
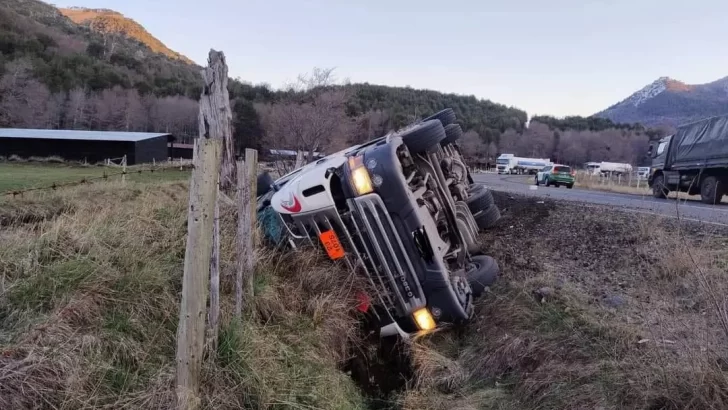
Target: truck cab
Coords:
[[505, 163], [693, 160], [658, 151]]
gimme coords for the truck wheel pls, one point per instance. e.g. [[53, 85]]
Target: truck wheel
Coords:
[[475, 188], [537, 183], [658, 187], [487, 218], [711, 190], [453, 132], [570, 186], [548, 183], [423, 137], [482, 272], [265, 182], [446, 117], [479, 200]]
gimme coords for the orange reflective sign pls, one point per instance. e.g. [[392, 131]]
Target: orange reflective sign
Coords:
[[332, 245]]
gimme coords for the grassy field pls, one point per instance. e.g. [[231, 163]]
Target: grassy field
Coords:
[[22, 175], [90, 279]]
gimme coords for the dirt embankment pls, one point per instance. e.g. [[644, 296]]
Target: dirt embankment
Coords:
[[595, 308]]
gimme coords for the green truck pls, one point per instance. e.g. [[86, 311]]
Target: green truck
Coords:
[[693, 160]]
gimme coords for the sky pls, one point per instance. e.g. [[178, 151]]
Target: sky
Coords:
[[554, 57]]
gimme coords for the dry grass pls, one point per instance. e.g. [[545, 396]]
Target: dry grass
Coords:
[[664, 346], [90, 278], [89, 285]]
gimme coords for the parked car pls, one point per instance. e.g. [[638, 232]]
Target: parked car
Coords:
[[402, 210], [556, 175]]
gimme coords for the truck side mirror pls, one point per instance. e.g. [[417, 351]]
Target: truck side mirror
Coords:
[[650, 150]]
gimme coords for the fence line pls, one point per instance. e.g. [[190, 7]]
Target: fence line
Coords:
[[105, 176]]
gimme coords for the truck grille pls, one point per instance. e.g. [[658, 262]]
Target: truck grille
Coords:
[[374, 246]]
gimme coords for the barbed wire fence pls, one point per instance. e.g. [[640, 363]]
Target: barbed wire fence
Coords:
[[113, 163]]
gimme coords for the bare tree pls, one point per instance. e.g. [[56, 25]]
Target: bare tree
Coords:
[[134, 115], [24, 99], [74, 113], [310, 126], [472, 146], [319, 77]]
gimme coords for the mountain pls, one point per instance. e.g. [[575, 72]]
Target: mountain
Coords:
[[107, 21], [64, 55], [670, 102]]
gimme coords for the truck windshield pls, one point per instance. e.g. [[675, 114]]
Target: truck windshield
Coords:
[[661, 147], [501, 161]]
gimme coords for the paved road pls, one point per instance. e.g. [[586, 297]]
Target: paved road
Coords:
[[689, 210]]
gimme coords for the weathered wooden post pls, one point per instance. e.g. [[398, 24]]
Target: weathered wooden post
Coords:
[[123, 170], [212, 168], [247, 217], [216, 121], [299, 159], [191, 329]]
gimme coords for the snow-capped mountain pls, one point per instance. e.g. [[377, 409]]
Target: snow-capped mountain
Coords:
[[668, 101]]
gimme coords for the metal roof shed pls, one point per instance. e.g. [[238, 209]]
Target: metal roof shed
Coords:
[[91, 146]]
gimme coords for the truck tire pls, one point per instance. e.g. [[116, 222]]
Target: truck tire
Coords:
[[711, 190], [479, 200], [475, 188], [487, 218], [265, 182], [446, 117], [482, 272], [658, 187], [453, 132], [423, 137]]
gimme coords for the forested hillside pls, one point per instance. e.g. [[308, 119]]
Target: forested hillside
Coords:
[[106, 21], [55, 73]]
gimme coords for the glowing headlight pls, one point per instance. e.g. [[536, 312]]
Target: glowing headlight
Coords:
[[360, 176], [424, 319]]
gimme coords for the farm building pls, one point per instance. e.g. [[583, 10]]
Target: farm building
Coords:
[[90, 146], [179, 150]]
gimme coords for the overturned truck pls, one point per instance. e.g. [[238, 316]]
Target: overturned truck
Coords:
[[401, 209]]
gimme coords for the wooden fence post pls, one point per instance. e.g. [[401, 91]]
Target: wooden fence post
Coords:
[[214, 324], [299, 159], [215, 122], [191, 329], [247, 218], [123, 170]]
